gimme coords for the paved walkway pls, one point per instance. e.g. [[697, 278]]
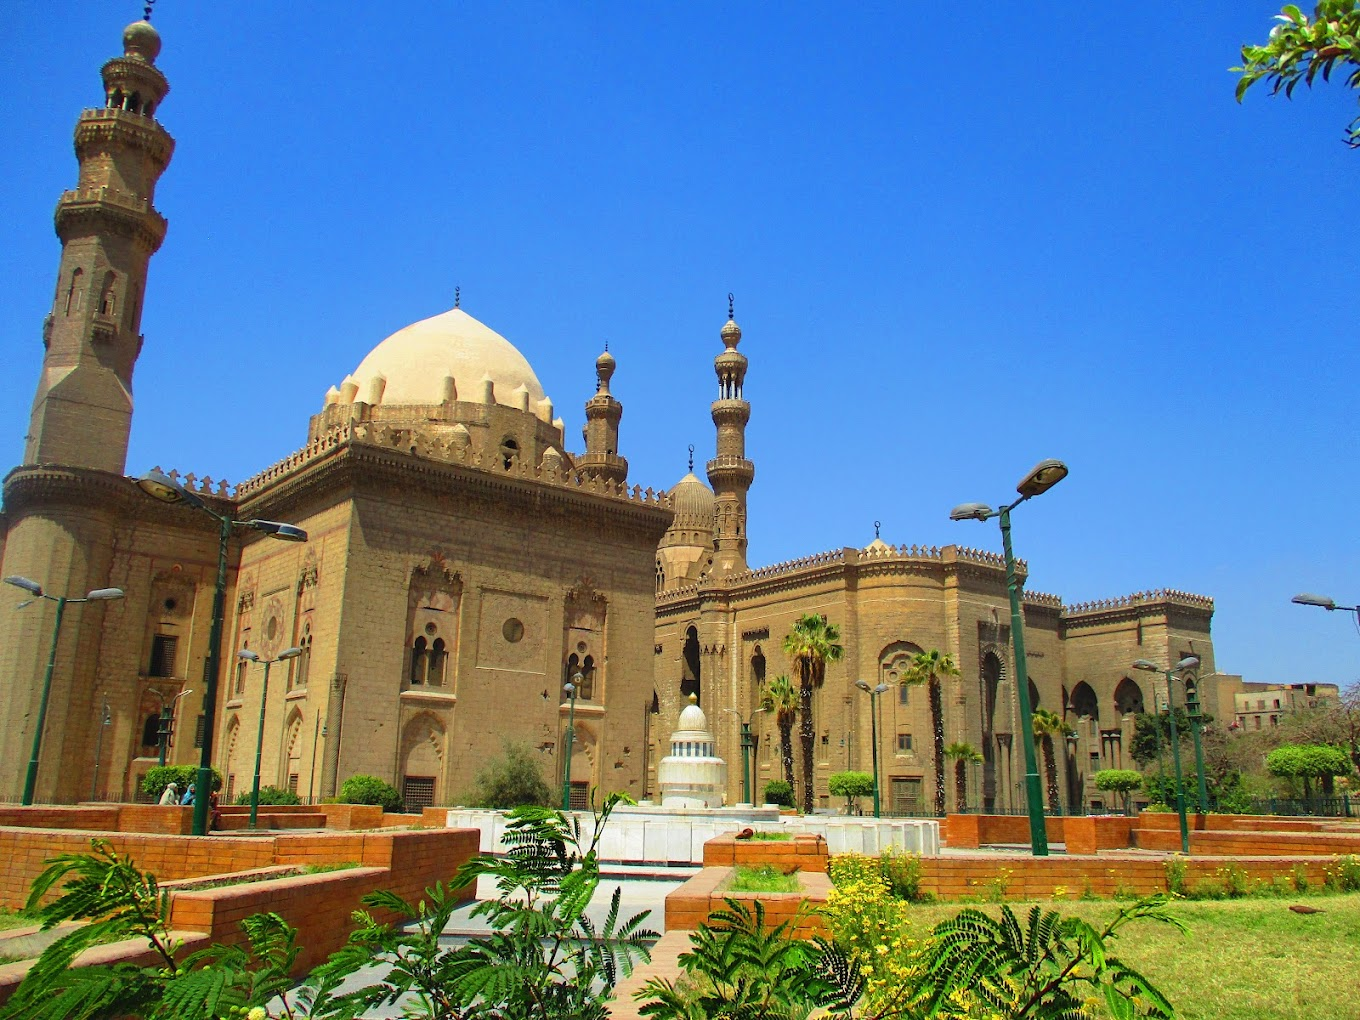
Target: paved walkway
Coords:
[[665, 964]]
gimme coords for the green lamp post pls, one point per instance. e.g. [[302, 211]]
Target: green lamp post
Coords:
[[748, 746], [874, 693], [1189, 662], [249, 656], [569, 740], [167, 490], [36, 590], [1045, 475]]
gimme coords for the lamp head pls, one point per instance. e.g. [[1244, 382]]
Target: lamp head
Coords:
[[32, 587], [1304, 599], [161, 486], [289, 653], [1189, 662], [880, 688], [1147, 665], [861, 685], [1042, 477], [570, 689], [248, 655], [104, 594], [970, 512], [283, 532]]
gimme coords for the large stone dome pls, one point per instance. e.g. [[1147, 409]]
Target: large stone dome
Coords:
[[692, 501], [415, 361]]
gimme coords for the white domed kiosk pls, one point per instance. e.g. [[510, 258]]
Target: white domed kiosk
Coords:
[[692, 776]]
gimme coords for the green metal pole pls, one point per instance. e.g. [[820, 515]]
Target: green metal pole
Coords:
[[566, 765], [873, 725], [1176, 760], [31, 777], [1034, 797], [1157, 732], [259, 747], [746, 762], [1195, 726], [163, 734], [203, 781]]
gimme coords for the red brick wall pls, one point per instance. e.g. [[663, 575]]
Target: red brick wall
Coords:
[[968, 832], [1097, 832], [690, 905], [104, 817], [1251, 843], [803, 853]]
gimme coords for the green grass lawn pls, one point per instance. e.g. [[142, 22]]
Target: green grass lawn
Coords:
[[13, 919], [1248, 959], [762, 879]]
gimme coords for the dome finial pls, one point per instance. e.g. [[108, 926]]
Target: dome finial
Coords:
[[731, 314], [877, 525], [146, 11], [457, 296], [691, 456], [140, 40], [693, 698]]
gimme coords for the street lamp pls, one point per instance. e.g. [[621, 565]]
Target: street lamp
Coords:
[[1329, 604], [167, 490], [249, 656], [167, 723], [570, 739], [1044, 475], [106, 719], [748, 745], [873, 693], [1188, 663], [36, 590]]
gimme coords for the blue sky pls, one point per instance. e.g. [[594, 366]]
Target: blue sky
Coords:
[[961, 240]]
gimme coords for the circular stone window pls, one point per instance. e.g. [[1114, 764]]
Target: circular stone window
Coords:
[[513, 630], [271, 628], [431, 629]]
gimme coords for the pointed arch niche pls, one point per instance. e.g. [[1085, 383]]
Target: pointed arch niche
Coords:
[[423, 743], [583, 639], [434, 600], [691, 667]]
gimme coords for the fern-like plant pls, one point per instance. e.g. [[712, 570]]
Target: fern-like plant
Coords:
[[1046, 969]]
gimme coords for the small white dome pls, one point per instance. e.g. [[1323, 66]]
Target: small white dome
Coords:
[[415, 361], [693, 718]]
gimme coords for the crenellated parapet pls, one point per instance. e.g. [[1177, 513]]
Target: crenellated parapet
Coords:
[[204, 486], [1159, 595], [1039, 598], [445, 448]]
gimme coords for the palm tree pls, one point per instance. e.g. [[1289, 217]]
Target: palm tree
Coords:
[[1048, 725], [779, 697], [810, 645], [964, 754], [928, 668]]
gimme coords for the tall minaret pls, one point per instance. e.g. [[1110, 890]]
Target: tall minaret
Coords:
[[109, 231], [730, 473], [603, 413]]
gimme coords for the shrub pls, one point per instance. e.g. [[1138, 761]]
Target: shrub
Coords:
[[515, 779], [899, 874], [159, 777], [779, 791], [1344, 874], [1175, 875], [1120, 781], [363, 789], [270, 795]]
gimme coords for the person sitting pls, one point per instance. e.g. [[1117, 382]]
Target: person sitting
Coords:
[[170, 795], [188, 795]]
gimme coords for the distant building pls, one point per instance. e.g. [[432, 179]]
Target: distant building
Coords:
[[1259, 706]]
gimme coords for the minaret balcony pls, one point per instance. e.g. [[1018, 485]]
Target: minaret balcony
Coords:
[[104, 126], [729, 472], [726, 412], [87, 211]]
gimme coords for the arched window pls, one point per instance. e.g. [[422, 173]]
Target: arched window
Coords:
[[419, 665], [303, 665], [241, 665], [107, 301], [438, 656], [1128, 698], [115, 100], [509, 452], [1084, 702], [151, 731], [690, 678], [757, 667], [73, 293], [587, 690], [1033, 696]]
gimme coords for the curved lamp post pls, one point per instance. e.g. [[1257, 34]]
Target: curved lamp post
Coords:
[[569, 740], [249, 656], [748, 746], [1044, 475], [167, 490], [167, 723], [1188, 663], [36, 590], [1329, 604], [873, 693]]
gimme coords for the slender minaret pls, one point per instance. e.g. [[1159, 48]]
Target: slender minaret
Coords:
[[730, 473], [109, 230], [603, 413]]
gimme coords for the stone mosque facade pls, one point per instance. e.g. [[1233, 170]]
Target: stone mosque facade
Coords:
[[462, 564]]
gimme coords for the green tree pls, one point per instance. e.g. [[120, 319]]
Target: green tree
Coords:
[[1120, 781], [810, 645], [513, 780], [1048, 725], [928, 668], [1300, 48], [1145, 733], [779, 791], [963, 754], [778, 697], [158, 777], [1308, 762], [851, 786]]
